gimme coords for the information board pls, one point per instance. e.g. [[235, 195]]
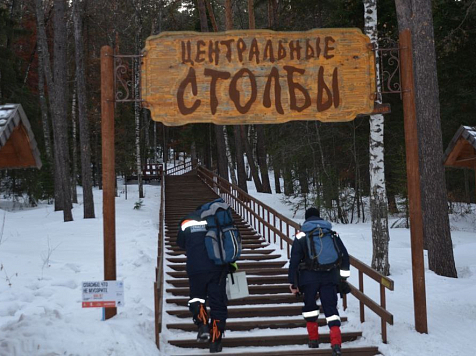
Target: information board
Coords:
[[103, 294]]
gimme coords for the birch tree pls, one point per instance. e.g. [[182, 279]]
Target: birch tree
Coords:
[[137, 104], [378, 194]]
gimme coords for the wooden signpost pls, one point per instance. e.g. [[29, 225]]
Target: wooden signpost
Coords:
[[258, 76]]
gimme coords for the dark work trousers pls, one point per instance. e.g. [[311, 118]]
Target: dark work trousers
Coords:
[[328, 295], [209, 287]]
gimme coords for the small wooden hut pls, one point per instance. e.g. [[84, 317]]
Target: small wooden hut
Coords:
[[18, 148], [461, 151]]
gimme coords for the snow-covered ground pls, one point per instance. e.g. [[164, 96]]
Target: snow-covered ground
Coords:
[[44, 261]]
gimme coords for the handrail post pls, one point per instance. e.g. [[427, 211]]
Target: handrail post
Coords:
[[269, 230], [361, 288], [383, 305]]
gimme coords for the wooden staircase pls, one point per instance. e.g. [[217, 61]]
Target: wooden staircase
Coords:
[[269, 321]]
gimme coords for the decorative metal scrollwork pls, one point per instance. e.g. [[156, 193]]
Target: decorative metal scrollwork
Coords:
[[388, 66], [127, 73]]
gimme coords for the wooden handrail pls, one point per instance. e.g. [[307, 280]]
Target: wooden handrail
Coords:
[[180, 169], [245, 205], [159, 271], [268, 221]]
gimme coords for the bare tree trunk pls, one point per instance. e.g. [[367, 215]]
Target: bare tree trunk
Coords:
[[43, 52], [156, 153], [221, 152], [416, 15], [378, 194], [288, 181], [59, 108], [262, 161], [88, 199], [44, 108], [74, 120], [58, 104], [240, 163], [277, 176], [261, 148], [221, 145], [249, 156]]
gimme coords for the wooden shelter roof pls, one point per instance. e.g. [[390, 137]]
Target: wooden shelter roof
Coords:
[[18, 147], [461, 151]]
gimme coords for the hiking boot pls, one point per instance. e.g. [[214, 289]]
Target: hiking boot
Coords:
[[215, 347], [313, 344], [336, 351], [203, 333], [216, 336]]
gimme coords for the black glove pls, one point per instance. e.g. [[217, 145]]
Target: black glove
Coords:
[[344, 287]]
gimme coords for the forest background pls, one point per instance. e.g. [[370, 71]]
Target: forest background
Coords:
[[323, 164]]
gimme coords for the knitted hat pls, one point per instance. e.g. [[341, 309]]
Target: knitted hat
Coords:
[[311, 212]]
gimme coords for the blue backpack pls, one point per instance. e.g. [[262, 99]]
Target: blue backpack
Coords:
[[323, 254], [223, 240]]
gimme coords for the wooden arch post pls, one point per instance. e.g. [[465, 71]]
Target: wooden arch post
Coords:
[[108, 168], [413, 181]]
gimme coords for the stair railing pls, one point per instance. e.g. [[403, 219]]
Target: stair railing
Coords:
[[270, 224], [159, 271], [183, 168], [264, 219]]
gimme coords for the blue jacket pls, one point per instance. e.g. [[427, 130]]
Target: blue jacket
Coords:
[[191, 238], [299, 254]]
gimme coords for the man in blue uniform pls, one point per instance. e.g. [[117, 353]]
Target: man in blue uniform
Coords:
[[207, 281], [324, 274]]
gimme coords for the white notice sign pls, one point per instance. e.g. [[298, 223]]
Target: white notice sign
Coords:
[[104, 294]]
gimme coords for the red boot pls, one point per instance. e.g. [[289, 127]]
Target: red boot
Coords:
[[313, 333]]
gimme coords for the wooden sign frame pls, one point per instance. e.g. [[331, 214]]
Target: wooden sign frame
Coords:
[[258, 76]]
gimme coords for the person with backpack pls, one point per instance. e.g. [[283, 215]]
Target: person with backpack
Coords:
[[205, 236], [319, 264]]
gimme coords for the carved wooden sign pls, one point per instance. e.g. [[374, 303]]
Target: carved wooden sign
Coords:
[[258, 76]]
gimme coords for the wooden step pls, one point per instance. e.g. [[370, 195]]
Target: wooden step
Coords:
[[265, 289], [243, 265], [244, 241], [273, 340], [246, 257], [250, 312], [249, 272], [245, 246], [243, 252], [183, 282], [270, 300], [347, 351], [255, 324]]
